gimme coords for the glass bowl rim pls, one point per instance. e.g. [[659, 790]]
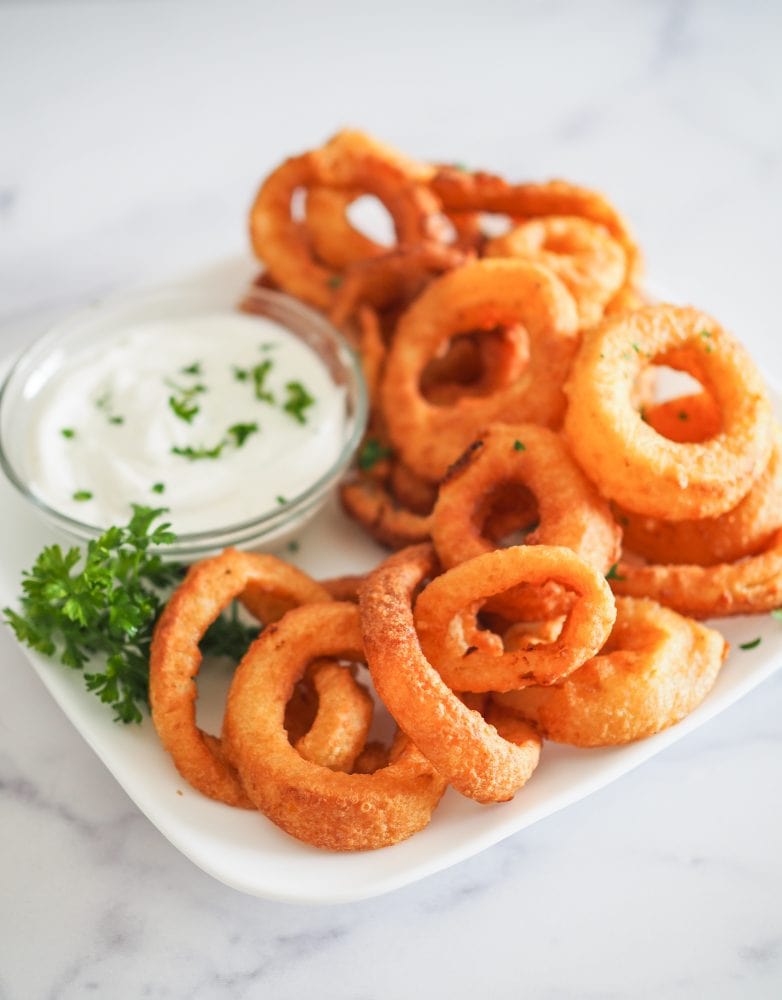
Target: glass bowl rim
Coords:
[[254, 528]]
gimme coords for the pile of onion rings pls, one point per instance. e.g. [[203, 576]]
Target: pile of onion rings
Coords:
[[559, 525]]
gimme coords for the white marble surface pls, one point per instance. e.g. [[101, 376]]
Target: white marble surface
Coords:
[[131, 138]]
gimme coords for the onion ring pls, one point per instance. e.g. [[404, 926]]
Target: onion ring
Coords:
[[461, 191], [570, 511], [582, 254], [377, 512], [654, 670], [626, 458], [445, 615], [466, 749], [743, 531], [344, 588], [745, 587], [281, 242], [175, 658], [481, 295], [329, 809], [396, 275]]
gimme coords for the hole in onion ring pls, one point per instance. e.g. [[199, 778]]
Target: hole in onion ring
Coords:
[[298, 204], [475, 363], [677, 405], [507, 514], [370, 217], [495, 224]]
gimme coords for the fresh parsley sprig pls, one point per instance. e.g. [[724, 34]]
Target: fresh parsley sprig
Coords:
[[101, 612]]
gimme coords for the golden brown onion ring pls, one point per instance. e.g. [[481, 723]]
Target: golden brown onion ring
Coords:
[[462, 191], [743, 531], [745, 587], [466, 749], [570, 511], [281, 242], [445, 615], [483, 295], [582, 254], [397, 275], [208, 588], [381, 516], [328, 809], [654, 670], [626, 458]]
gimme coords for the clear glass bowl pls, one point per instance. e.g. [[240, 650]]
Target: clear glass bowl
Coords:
[[94, 327]]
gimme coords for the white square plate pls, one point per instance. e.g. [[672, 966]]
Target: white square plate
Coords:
[[243, 849]]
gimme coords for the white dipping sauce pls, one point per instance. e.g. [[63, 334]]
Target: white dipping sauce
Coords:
[[104, 425]]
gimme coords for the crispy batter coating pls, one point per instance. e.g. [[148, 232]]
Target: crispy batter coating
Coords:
[[325, 808], [569, 509], [468, 750], [460, 190], [382, 517], [654, 670], [483, 295], [445, 616], [582, 254], [175, 658], [745, 587], [282, 242], [744, 531], [628, 460]]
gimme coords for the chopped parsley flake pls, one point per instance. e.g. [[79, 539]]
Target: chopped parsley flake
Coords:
[[194, 454], [269, 345], [240, 432], [241, 374], [371, 452], [293, 546], [298, 401], [334, 281], [183, 404], [519, 446], [752, 644], [68, 432], [777, 613], [636, 348], [259, 374], [103, 403], [82, 495], [194, 369], [613, 574], [158, 488], [460, 166], [682, 414], [281, 501]]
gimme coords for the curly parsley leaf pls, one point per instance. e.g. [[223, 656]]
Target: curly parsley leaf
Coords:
[[97, 608], [240, 432], [259, 374], [298, 401]]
